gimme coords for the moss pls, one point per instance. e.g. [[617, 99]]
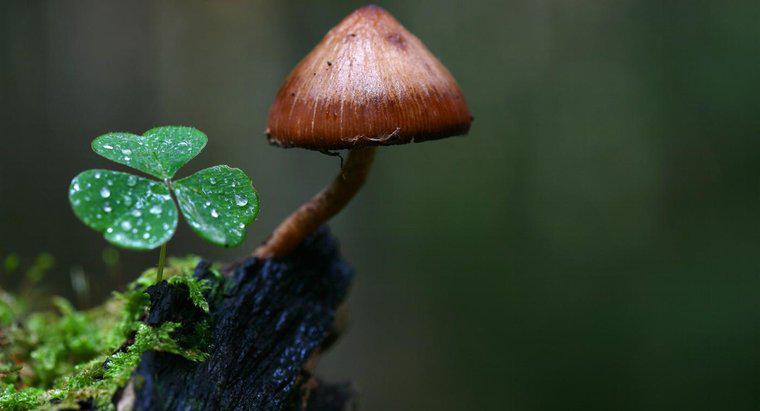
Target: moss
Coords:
[[57, 359], [26, 399], [196, 289], [6, 314], [62, 342]]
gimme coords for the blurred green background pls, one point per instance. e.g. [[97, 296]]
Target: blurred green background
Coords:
[[592, 244]]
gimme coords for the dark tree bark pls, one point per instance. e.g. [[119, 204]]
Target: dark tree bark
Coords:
[[269, 321]]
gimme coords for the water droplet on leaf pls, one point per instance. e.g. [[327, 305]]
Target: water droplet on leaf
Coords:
[[240, 200]]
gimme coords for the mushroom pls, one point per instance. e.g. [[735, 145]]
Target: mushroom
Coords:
[[368, 83]]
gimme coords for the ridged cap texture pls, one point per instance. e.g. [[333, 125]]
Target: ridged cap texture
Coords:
[[369, 82]]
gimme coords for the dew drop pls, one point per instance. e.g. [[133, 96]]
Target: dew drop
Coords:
[[131, 181], [214, 213], [127, 201], [109, 230], [212, 180], [108, 146], [208, 203], [156, 209], [146, 236], [97, 176], [126, 151], [240, 200], [76, 187], [105, 192], [126, 225], [137, 213], [107, 208]]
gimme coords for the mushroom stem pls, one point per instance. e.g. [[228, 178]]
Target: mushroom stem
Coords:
[[321, 207]]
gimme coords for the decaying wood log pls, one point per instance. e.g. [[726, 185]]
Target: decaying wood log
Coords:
[[269, 321]]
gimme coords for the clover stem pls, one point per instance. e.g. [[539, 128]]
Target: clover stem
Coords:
[[161, 260], [321, 207]]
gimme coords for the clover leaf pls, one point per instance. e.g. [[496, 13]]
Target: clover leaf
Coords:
[[214, 205], [138, 213], [159, 152], [133, 212]]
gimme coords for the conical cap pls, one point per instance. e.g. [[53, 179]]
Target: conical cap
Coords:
[[369, 82]]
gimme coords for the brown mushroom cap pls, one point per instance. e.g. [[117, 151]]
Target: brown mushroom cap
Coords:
[[369, 82]]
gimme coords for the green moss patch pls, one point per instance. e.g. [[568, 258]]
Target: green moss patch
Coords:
[[62, 358]]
